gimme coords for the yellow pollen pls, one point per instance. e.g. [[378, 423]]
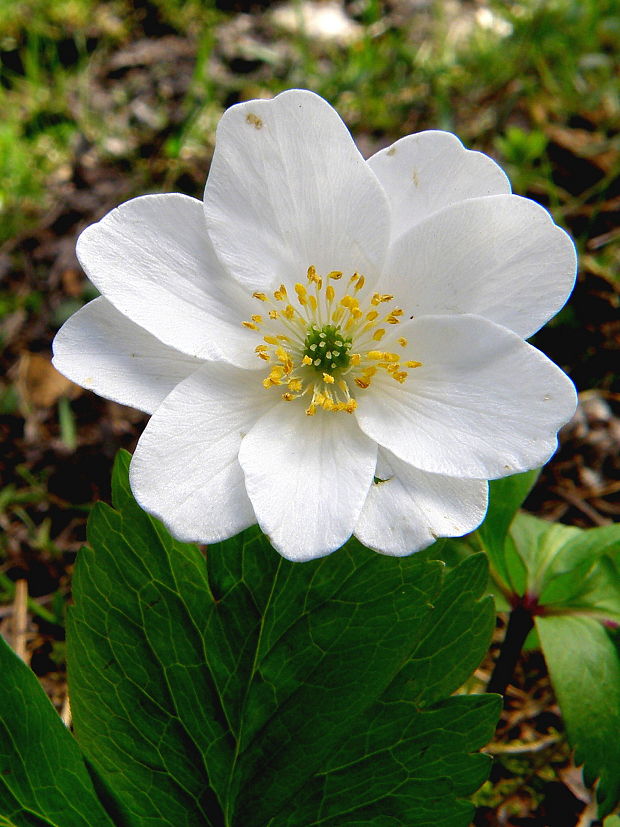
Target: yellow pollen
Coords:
[[378, 298], [314, 359], [382, 356], [274, 377], [314, 277], [302, 293]]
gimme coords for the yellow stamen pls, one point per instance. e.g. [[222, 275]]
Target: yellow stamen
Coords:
[[250, 325], [328, 378], [413, 364], [378, 334], [378, 298], [335, 274], [302, 293], [382, 356], [403, 342], [306, 360], [260, 296]]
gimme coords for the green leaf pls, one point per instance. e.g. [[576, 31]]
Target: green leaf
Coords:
[[505, 497], [566, 568], [245, 691], [567, 577], [44, 781], [585, 670], [536, 543]]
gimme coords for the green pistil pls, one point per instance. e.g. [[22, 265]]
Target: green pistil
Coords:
[[327, 347]]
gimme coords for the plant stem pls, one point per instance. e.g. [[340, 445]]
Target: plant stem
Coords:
[[519, 624], [35, 608]]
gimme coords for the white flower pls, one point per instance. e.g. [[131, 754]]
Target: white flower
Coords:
[[329, 346]]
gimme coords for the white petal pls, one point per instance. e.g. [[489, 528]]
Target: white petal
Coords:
[[101, 350], [152, 258], [411, 509], [185, 469], [289, 189], [425, 172], [501, 257], [307, 478], [484, 403]]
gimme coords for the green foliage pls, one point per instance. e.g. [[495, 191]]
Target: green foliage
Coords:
[[243, 689], [569, 579], [585, 669], [43, 777], [248, 690], [505, 498]]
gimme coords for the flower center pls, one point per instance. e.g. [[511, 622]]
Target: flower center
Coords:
[[322, 344], [328, 347]]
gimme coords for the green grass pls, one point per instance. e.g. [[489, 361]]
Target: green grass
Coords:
[[413, 72]]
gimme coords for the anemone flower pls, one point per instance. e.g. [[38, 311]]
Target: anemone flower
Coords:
[[327, 345]]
